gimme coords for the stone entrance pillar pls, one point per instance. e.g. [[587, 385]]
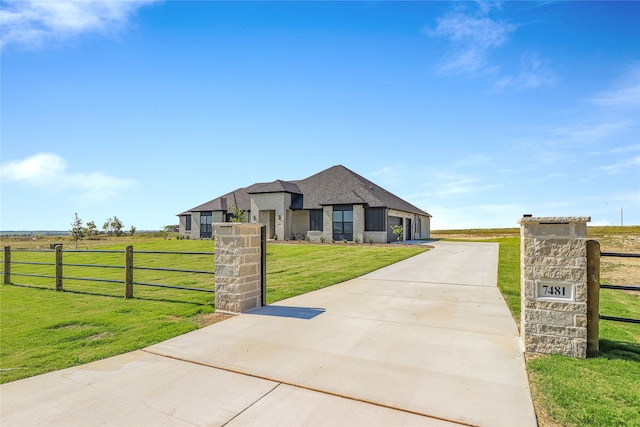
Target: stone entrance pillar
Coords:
[[553, 285], [239, 266]]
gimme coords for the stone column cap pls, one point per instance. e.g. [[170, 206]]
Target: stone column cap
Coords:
[[554, 220]]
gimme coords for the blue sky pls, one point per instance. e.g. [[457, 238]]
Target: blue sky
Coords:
[[476, 112]]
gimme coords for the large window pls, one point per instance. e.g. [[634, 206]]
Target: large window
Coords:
[[343, 222], [206, 231], [374, 219], [187, 222], [315, 220]]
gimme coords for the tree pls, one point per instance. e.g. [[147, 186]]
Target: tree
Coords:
[[117, 226], [132, 231], [77, 230], [237, 214], [397, 230], [113, 226], [92, 230], [107, 226], [172, 228]]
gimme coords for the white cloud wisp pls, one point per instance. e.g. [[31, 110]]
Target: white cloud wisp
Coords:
[[49, 171], [31, 22]]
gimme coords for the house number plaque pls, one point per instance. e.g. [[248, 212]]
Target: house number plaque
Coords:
[[555, 291]]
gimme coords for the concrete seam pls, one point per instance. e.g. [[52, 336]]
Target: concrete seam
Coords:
[[247, 408], [279, 382]]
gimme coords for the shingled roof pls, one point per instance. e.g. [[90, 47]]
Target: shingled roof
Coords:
[[334, 186]]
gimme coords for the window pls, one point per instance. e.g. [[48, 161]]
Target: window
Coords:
[[205, 225], [187, 222], [374, 219], [343, 222], [315, 220]]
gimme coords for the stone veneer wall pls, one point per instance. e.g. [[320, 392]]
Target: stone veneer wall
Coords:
[[554, 285], [238, 266]]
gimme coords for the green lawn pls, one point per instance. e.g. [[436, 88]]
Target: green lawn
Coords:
[[42, 330]]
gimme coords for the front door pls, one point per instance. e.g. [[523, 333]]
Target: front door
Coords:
[[407, 227]]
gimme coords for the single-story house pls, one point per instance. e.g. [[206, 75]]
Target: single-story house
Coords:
[[336, 204]]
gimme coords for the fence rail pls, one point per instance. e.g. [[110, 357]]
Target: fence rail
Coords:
[[619, 287], [129, 268]]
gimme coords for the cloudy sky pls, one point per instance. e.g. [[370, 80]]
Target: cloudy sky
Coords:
[[477, 112]]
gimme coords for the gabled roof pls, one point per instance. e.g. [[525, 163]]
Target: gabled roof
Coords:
[[239, 198], [277, 186], [334, 186]]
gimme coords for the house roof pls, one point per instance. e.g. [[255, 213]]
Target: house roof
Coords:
[[240, 198], [334, 186], [277, 186]]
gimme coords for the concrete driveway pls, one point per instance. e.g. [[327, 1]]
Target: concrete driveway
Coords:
[[428, 341]]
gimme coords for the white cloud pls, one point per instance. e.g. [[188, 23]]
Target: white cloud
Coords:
[[533, 73], [473, 36], [626, 92], [32, 22], [390, 172], [49, 171], [479, 31], [622, 166], [625, 149]]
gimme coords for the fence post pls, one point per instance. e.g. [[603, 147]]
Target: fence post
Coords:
[[128, 280], [593, 297], [58, 249], [7, 265], [263, 261]]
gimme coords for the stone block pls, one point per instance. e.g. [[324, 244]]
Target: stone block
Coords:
[[562, 331], [560, 248], [557, 306], [248, 269], [225, 270], [580, 348], [252, 259], [580, 320], [223, 230], [548, 344], [529, 289], [565, 274], [547, 317]]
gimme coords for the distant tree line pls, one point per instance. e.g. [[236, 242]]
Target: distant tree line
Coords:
[[112, 226]]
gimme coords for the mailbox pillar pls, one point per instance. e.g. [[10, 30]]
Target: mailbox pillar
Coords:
[[239, 266], [553, 282]]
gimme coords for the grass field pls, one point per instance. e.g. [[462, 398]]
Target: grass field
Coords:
[[42, 330]]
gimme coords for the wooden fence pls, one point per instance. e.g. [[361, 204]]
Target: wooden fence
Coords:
[[128, 267]]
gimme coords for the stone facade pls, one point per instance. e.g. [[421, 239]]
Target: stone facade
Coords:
[[238, 267], [554, 285]]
